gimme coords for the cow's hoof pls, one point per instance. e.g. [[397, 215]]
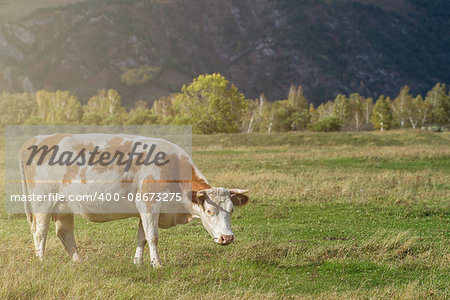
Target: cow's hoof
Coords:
[[76, 258], [138, 261], [156, 266]]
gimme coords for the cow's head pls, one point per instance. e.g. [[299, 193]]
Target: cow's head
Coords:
[[214, 207]]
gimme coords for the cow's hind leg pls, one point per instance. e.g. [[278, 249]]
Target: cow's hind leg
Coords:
[[39, 229], [141, 241], [150, 225], [64, 231]]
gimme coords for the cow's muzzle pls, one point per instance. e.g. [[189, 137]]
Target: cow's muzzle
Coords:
[[225, 239]]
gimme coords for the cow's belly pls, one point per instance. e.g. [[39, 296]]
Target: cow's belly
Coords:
[[102, 218], [167, 220]]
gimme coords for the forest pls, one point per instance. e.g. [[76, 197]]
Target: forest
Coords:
[[211, 104]]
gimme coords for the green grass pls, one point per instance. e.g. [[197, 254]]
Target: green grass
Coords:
[[338, 215]]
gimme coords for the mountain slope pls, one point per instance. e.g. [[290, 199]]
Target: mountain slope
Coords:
[[262, 46]]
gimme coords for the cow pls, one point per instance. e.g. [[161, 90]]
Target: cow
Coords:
[[58, 164]]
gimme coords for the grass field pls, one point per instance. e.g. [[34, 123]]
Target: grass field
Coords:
[[332, 215]]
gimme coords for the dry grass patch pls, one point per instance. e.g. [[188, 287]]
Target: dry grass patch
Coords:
[[322, 185]]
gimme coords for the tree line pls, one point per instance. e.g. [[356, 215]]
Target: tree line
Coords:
[[211, 104]]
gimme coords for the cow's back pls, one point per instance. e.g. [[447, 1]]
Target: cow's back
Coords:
[[94, 178]]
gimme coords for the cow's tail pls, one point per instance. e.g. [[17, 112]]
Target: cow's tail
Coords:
[[25, 192]]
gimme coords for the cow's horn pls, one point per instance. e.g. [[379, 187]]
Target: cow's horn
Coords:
[[238, 191]]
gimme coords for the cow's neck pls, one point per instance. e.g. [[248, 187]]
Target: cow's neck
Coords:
[[198, 181]]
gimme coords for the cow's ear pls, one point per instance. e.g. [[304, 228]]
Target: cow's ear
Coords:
[[198, 197], [238, 197]]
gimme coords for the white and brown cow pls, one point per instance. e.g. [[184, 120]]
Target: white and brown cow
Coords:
[[214, 206]]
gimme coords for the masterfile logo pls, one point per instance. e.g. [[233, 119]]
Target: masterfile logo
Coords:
[[97, 157]]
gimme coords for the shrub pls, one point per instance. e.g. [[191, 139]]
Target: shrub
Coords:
[[139, 76], [327, 124]]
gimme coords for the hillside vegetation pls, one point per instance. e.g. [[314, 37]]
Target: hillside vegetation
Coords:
[[328, 47], [331, 215], [16, 9]]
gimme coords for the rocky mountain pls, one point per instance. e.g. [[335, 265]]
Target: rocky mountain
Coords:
[[263, 46]]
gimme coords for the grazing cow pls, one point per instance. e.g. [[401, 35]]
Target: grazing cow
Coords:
[[64, 165]]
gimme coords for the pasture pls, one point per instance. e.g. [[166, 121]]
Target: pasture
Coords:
[[331, 215]]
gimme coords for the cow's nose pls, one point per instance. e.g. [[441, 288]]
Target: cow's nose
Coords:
[[226, 239]]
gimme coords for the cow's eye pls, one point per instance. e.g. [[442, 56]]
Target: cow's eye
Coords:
[[209, 212]]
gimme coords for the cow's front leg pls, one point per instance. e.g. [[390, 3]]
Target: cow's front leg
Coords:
[[150, 225], [141, 241]]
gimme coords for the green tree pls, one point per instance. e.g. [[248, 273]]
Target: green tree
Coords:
[[163, 110], [325, 110], [367, 107], [290, 114], [296, 98], [16, 108], [440, 102], [253, 118], [399, 106], [141, 115], [60, 107], [300, 119], [298, 109], [342, 108], [210, 104], [104, 108], [382, 114], [268, 117], [356, 109], [424, 110], [418, 111], [281, 116], [313, 113]]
